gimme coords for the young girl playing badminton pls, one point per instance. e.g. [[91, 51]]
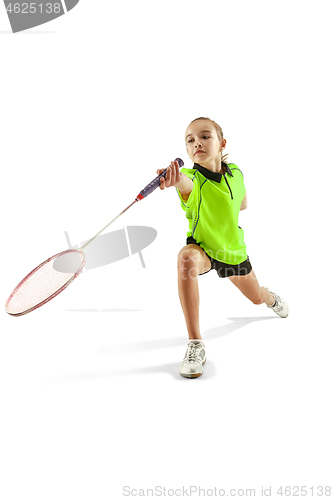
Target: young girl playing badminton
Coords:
[[211, 193]]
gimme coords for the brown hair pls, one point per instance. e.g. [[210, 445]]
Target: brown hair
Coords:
[[219, 133]]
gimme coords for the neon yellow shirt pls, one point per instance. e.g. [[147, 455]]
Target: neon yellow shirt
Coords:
[[212, 210]]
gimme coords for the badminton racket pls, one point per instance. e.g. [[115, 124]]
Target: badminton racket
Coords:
[[54, 275]]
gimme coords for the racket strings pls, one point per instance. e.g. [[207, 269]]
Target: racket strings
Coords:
[[45, 281]]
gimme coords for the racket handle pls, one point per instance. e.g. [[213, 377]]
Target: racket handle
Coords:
[[155, 183]]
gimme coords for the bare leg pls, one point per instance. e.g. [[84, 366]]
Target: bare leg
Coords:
[[250, 287], [192, 261]]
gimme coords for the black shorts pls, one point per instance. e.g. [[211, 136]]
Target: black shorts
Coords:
[[225, 270]]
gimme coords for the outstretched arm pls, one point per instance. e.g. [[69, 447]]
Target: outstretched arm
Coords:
[[175, 178]]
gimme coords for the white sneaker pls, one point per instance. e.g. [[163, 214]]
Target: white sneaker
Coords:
[[195, 357], [281, 307]]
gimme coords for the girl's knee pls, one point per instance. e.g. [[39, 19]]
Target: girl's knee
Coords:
[[189, 260], [188, 255]]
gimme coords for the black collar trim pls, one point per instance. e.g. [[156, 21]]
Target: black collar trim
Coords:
[[213, 176]]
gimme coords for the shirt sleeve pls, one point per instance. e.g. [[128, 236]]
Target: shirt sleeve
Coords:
[[241, 184], [187, 204]]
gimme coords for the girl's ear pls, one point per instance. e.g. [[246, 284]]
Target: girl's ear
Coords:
[[223, 143]]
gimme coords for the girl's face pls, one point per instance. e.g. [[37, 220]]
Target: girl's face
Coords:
[[202, 143]]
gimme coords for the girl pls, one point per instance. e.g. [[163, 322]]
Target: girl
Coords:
[[211, 193]]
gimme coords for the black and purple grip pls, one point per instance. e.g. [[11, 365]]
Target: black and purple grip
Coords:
[[155, 183]]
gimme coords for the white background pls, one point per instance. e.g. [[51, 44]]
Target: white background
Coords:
[[91, 105]]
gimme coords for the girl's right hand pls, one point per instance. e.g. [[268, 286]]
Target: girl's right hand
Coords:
[[173, 175]]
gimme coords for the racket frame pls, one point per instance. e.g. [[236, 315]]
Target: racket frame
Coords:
[[75, 275]]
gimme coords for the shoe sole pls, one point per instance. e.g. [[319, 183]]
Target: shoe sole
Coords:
[[195, 375]]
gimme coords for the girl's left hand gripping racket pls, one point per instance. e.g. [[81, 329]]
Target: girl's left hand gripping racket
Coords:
[[55, 274]]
